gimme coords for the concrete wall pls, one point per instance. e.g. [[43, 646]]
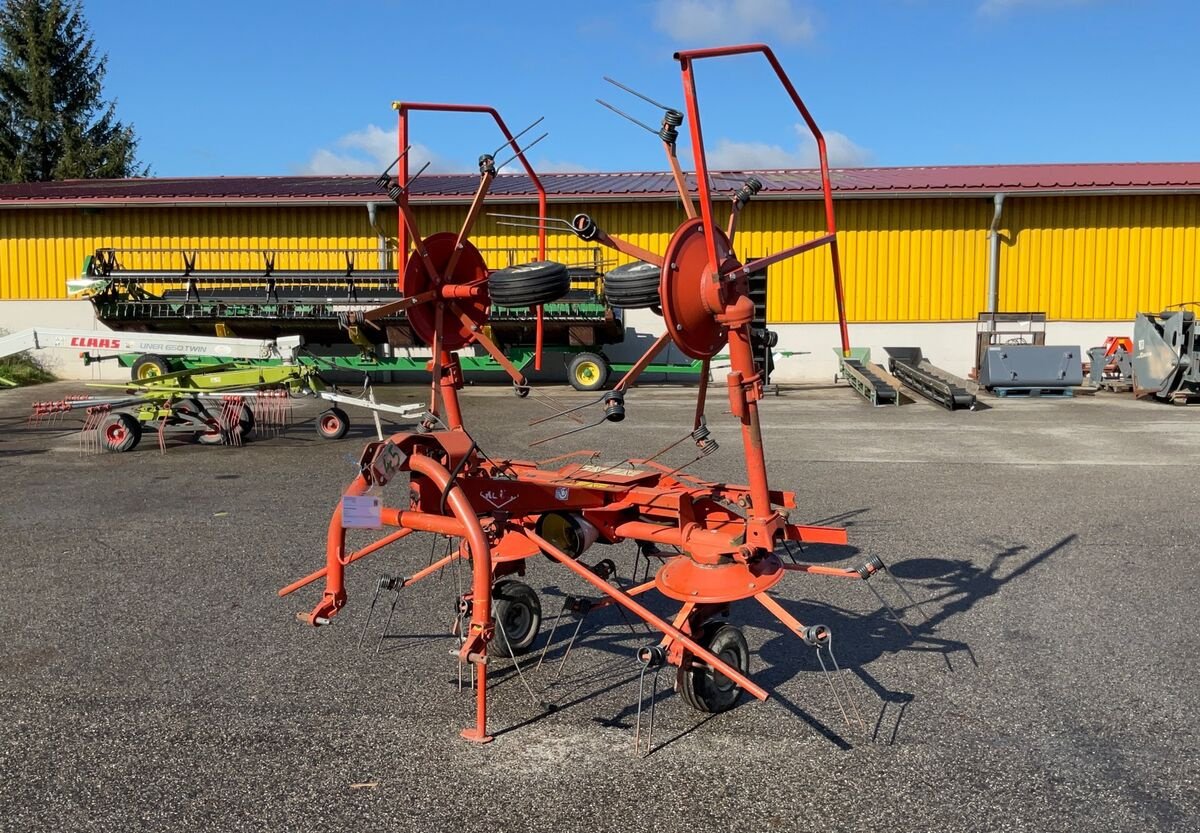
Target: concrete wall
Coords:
[[950, 345]]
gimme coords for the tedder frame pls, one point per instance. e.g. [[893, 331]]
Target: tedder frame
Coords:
[[716, 543]]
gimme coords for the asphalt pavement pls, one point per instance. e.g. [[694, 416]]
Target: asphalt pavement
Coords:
[[152, 679]]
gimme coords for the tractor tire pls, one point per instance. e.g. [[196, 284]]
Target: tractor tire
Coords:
[[120, 432], [588, 371], [702, 688], [529, 284], [633, 286], [148, 366], [519, 612], [333, 424]]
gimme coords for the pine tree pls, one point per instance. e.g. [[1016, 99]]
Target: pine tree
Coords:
[[54, 121]]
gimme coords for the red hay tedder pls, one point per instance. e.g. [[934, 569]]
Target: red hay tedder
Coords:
[[716, 543]]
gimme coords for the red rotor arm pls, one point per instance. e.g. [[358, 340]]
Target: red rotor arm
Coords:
[[403, 108], [686, 58]]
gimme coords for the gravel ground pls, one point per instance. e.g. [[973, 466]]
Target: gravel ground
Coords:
[[152, 680]]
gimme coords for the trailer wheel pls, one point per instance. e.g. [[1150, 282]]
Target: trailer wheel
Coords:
[[633, 286], [704, 689], [519, 612], [529, 284], [216, 436], [588, 371], [333, 424], [148, 366], [120, 432]]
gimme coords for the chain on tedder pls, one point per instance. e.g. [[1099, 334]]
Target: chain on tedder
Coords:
[[713, 544]]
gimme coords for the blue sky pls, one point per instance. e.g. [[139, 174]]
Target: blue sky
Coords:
[[269, 87]]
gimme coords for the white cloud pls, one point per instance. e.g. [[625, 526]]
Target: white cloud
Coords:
[[369, 151], [1000, 8], [701, 22], [728, 155]]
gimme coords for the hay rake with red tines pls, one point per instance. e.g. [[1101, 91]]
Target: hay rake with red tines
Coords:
[[716, 544], [218, 405]]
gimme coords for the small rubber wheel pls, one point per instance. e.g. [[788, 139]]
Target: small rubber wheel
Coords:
[[215, 436], [189, 407], [120, 432], [519, 612], [148, 366], [333, 424], [529, 284], [588, 371], [633, 286], [701, 687]]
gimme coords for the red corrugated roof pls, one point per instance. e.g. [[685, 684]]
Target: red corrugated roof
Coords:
[[914, 181]]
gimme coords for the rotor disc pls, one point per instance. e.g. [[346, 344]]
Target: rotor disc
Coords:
[[469, 268], [689, 581], [691, 299]]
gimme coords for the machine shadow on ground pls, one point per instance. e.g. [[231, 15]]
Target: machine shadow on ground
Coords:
[[942, 588]]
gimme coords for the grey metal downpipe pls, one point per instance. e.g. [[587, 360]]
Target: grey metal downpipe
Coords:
[[994, 259], [381, 244]]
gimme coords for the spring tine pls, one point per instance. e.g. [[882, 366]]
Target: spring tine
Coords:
[[637, 731], [907, 594], [787, 545], [832, 689], [513, 141], [596, 424], [653, 709], [845, 684], [625, 115], [522, 225], [615, 581], [553, 631], [522, 151], [460, 630], [625, 616], [562, 663], [516, 662], [642, 96], [411, 180], [387, 625], [561, 410], [637, 726], [531, 221], [370, 613], [891, 611], [388, 170]]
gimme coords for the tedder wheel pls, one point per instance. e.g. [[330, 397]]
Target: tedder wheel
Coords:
[[148, 366], [244, 427], [529, 284], [120, 432], [588, 371], [519, 612], [333, 424], [702, 688], [633, 286]]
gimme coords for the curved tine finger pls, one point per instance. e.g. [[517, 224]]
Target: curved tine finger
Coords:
[[566, 412]]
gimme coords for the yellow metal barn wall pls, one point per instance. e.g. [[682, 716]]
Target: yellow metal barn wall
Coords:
[[1099, 258], [904, 260]]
